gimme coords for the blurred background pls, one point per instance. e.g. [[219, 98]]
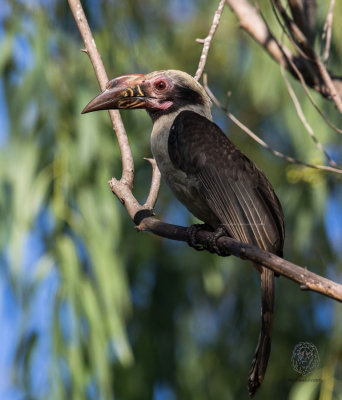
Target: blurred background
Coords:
[[89, 309]]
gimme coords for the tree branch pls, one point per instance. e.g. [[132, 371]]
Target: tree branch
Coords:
[[101, 75], [301, 116], [312, 101], [326, 35], [141, 215], [260, 141], [155, 185], [207, 41], [307, 279], [320, 72], [311, 70]]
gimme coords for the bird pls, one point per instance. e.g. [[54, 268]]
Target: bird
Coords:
[[208, 174]]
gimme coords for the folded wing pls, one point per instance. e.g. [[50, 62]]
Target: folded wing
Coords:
[[234, 188]]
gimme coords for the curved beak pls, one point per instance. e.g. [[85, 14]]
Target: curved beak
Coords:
[[126, 91]]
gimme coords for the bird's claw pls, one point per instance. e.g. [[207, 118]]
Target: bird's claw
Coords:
[[212, 242], [192, 232], [211, 245]]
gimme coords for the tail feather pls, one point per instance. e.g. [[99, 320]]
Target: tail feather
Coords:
[[263, 349]]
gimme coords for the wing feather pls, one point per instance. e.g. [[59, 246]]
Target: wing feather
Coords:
[[235, 190]]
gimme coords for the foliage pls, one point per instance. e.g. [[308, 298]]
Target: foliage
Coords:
[[97, 311]]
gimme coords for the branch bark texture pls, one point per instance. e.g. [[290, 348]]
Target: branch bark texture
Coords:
[[307, 279]]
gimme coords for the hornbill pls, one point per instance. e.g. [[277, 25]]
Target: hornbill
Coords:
[[207, 173]]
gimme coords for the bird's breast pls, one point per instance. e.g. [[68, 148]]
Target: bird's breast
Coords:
[[178, 181], [185, 187]]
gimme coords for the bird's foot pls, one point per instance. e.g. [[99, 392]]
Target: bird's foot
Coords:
[[212, 243], [192, 232]]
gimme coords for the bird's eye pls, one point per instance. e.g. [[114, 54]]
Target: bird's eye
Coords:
[[160, 85]]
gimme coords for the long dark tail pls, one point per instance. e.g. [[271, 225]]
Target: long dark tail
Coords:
[[263, 349]]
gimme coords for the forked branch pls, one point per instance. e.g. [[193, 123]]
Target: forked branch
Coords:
[[309, 65]]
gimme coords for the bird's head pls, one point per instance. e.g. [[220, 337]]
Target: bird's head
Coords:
[[160, 93]]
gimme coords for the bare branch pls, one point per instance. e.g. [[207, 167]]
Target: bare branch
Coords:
[[326, 35], [322, 72], [329, 83], [256, 27], [95, 58], [312, 101], [297, 73], [208, 39], [301, 116], [303, 276], [155, 184], [260, 141]]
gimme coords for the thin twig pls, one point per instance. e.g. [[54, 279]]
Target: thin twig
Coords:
[[312, 101], [253, 24], [257, 139], [207, 41], [155, 185], [326, 34], [329, 83], [301, 116]]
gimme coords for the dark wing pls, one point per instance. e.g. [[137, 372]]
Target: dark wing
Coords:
[[235, 189]]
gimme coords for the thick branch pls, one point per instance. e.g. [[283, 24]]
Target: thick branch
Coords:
[[307, 279], [254, 25]]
